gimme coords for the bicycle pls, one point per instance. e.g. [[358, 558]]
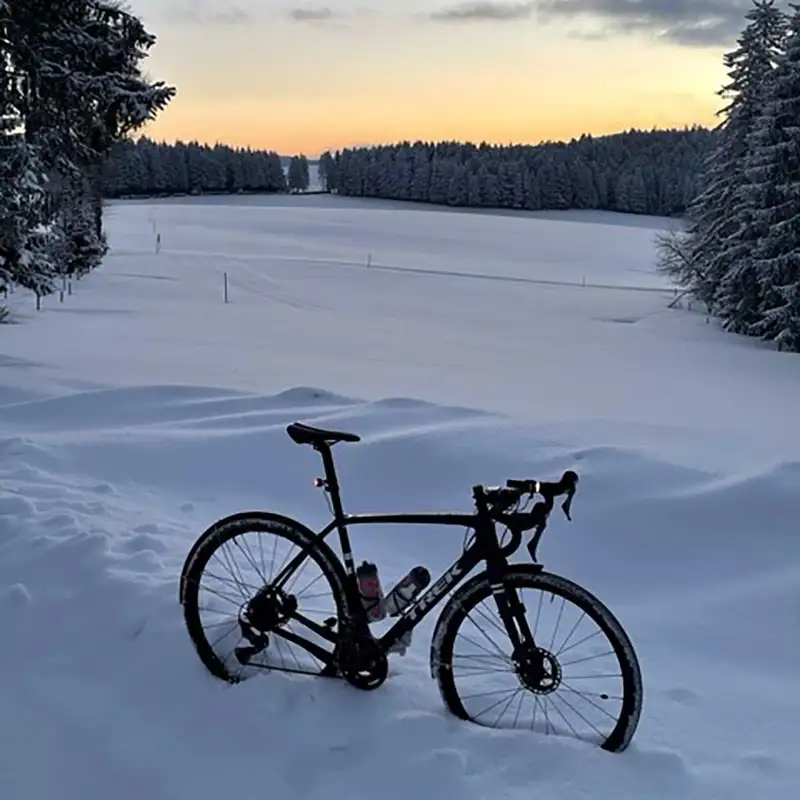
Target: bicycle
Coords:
[[341, 644]]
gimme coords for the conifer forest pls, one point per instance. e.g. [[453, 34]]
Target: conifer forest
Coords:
[[74, 99]]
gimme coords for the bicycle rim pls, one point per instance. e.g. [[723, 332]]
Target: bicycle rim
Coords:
[[239, 625], [585, 683]]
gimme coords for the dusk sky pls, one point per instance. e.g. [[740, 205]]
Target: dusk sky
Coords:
[[308, 77]]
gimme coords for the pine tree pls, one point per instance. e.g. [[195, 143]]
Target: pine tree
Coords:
[[774, 171], [26, 232], [298, 177], [714, 220], [72, 89], [327, 172]]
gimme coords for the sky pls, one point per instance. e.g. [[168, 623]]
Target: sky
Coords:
[[304, 77]]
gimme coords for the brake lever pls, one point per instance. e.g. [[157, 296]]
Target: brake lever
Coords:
[[533, 543], [566, 506], [570, 478]]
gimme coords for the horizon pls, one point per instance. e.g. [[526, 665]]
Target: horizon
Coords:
[[306, 78]]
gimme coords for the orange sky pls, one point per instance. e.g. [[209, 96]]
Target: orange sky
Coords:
[[252, 75]]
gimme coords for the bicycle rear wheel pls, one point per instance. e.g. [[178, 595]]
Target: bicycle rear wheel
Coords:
[[240, 621], [583, 679]]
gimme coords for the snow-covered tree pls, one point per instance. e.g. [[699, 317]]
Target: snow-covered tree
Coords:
[[715, 234], [26, 234], [327, 171], [769, 287], [72, 88], [298, 177]]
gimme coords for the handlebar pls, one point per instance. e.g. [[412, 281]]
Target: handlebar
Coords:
[[498, 500], [568, 485]]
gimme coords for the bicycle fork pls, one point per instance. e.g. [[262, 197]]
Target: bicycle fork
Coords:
[[530, 661]]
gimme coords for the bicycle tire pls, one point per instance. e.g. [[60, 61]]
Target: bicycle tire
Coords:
[[530, 577], [223, 531]]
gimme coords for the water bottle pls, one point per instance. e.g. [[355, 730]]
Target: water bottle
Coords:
[[369, 587], [405, 591]]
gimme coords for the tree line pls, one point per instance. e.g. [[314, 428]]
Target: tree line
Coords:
[[73, 94], [740, 252], [71, 87], [145, 168], [642, 172]]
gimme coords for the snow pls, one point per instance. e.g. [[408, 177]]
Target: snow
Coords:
[[475, 347]]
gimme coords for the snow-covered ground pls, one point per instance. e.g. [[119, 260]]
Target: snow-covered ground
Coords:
[[475, 347]]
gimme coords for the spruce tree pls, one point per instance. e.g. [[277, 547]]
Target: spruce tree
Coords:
[[714, 223], [72, 88], [327, 172], [774, 173], [298, 177]]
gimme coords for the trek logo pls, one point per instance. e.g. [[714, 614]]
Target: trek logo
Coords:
[[433, 595]]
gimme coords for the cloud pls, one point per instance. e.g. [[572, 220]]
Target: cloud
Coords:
[[698, 23], [687, 22], [484, 11], [313, 14]]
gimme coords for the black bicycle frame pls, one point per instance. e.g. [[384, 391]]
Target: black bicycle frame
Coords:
[[484, 547]]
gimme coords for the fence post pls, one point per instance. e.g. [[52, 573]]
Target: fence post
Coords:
[[225, 286], [369, 260]]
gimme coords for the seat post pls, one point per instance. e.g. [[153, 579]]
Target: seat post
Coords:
[[332, 482]]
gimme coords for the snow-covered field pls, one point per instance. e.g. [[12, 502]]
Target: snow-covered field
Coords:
[[475, 347]]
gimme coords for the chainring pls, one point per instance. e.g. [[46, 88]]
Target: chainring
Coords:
[[362, 664]]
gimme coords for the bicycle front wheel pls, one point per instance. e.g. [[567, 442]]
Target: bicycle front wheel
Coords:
[[241, 620], [583, 678]]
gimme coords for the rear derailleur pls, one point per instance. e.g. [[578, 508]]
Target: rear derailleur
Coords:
[[267, 610]]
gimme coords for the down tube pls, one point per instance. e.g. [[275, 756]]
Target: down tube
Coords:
[[415, 613]]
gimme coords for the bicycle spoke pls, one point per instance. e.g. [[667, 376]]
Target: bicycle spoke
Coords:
[[251, 589], [512, 692], [516, 694], [569, 724], [569, 635], [236, 573], [579, 642], [494, 623], [585, 696], [488, 638], [588, 658], [590, 724], [558, 622]]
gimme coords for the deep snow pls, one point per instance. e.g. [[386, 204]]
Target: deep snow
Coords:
[[143, 408]]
